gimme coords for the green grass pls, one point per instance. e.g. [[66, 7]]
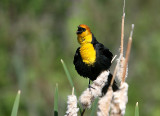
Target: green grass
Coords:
[[136, 110], [70, 80], [56, 101], [16, 104], [94, 107], [67, 73]]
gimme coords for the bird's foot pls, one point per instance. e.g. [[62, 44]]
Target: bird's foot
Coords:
[[90, 87]]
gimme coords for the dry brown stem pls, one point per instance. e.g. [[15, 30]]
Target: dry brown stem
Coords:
[[122, 30], [127, 54], [113, 58]]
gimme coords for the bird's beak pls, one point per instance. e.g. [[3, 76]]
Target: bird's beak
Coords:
[[79, 32]]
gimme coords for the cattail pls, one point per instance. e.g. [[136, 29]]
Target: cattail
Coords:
[[104, 103], [89, 95], [120, 68], [120, 99], [72, 105]]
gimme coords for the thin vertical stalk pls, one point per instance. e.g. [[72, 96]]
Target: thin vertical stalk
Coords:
[[16, 104], [127, 54]]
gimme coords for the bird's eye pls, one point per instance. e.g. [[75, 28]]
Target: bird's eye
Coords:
[[81, 29]]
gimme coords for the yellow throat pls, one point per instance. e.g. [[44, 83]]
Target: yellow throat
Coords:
[[88, 53]]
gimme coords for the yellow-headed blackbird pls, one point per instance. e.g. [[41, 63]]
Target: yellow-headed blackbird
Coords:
[[91, 58]]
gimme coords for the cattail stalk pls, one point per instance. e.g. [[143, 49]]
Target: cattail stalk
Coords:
[[89, 95], [122, 30], [120, 68], [127, 53], [72, 109], [113, 58], [104, 103], [121, 58], [120, 99]]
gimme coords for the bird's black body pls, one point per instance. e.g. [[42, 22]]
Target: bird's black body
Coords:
[[103, 61]]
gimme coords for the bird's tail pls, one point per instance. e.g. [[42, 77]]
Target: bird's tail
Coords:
[[107, 84]]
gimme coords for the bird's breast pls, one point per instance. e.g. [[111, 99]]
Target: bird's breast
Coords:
[[88, 54]]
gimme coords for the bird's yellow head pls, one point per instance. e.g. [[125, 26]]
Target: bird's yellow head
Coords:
[[84, 34]]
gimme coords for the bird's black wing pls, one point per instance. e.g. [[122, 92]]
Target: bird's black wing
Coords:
[[101, 49], [107, 53]]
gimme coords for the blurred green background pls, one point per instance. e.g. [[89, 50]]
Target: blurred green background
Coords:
[[36, 34]]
